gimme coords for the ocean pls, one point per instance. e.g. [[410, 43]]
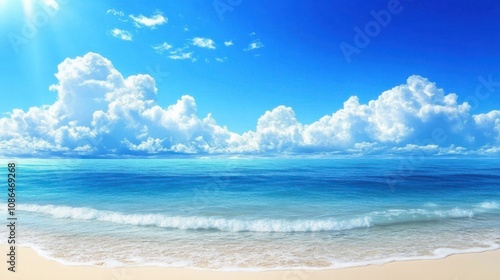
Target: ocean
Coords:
[[255, 213]]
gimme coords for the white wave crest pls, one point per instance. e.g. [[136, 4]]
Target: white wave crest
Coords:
[[416, 214], [247, 224], [489, 205], [198, 222]]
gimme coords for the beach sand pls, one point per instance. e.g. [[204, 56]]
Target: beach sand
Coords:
[[474, 266]]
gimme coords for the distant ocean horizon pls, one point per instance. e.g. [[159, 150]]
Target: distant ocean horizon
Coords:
[[256, 213]]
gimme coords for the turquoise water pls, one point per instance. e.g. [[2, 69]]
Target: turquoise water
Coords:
[[256, 213]]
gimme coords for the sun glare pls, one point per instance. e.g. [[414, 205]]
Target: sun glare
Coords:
[[28, 8]]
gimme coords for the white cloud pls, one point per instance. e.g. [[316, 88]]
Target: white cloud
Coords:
[[161, 48], [203, 42], [98, 112], [152, 22], [151, 145], [396, 116], [115, 12], [228, 43], [51, 4], [278, 130], [254, 45], [489, 124], [182, 56], [122, 34], [488, 150]]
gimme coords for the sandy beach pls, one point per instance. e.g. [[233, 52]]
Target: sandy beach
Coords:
[[474, 266]]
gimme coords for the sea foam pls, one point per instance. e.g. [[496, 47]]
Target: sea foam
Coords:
[[199, 222], [489, 205]]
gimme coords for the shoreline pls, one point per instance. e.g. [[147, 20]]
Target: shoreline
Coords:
[[481, 265], [376, 262]]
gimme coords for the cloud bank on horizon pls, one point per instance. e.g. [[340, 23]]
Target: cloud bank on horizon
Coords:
[[100, 113]]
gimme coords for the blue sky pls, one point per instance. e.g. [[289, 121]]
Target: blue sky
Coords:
[[249, 57]]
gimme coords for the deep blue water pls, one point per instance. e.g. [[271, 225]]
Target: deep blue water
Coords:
[[257, 213]]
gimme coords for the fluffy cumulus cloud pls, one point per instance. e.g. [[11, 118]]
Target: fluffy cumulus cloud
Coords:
[[100, 113], [489, 124], [399, 116]]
